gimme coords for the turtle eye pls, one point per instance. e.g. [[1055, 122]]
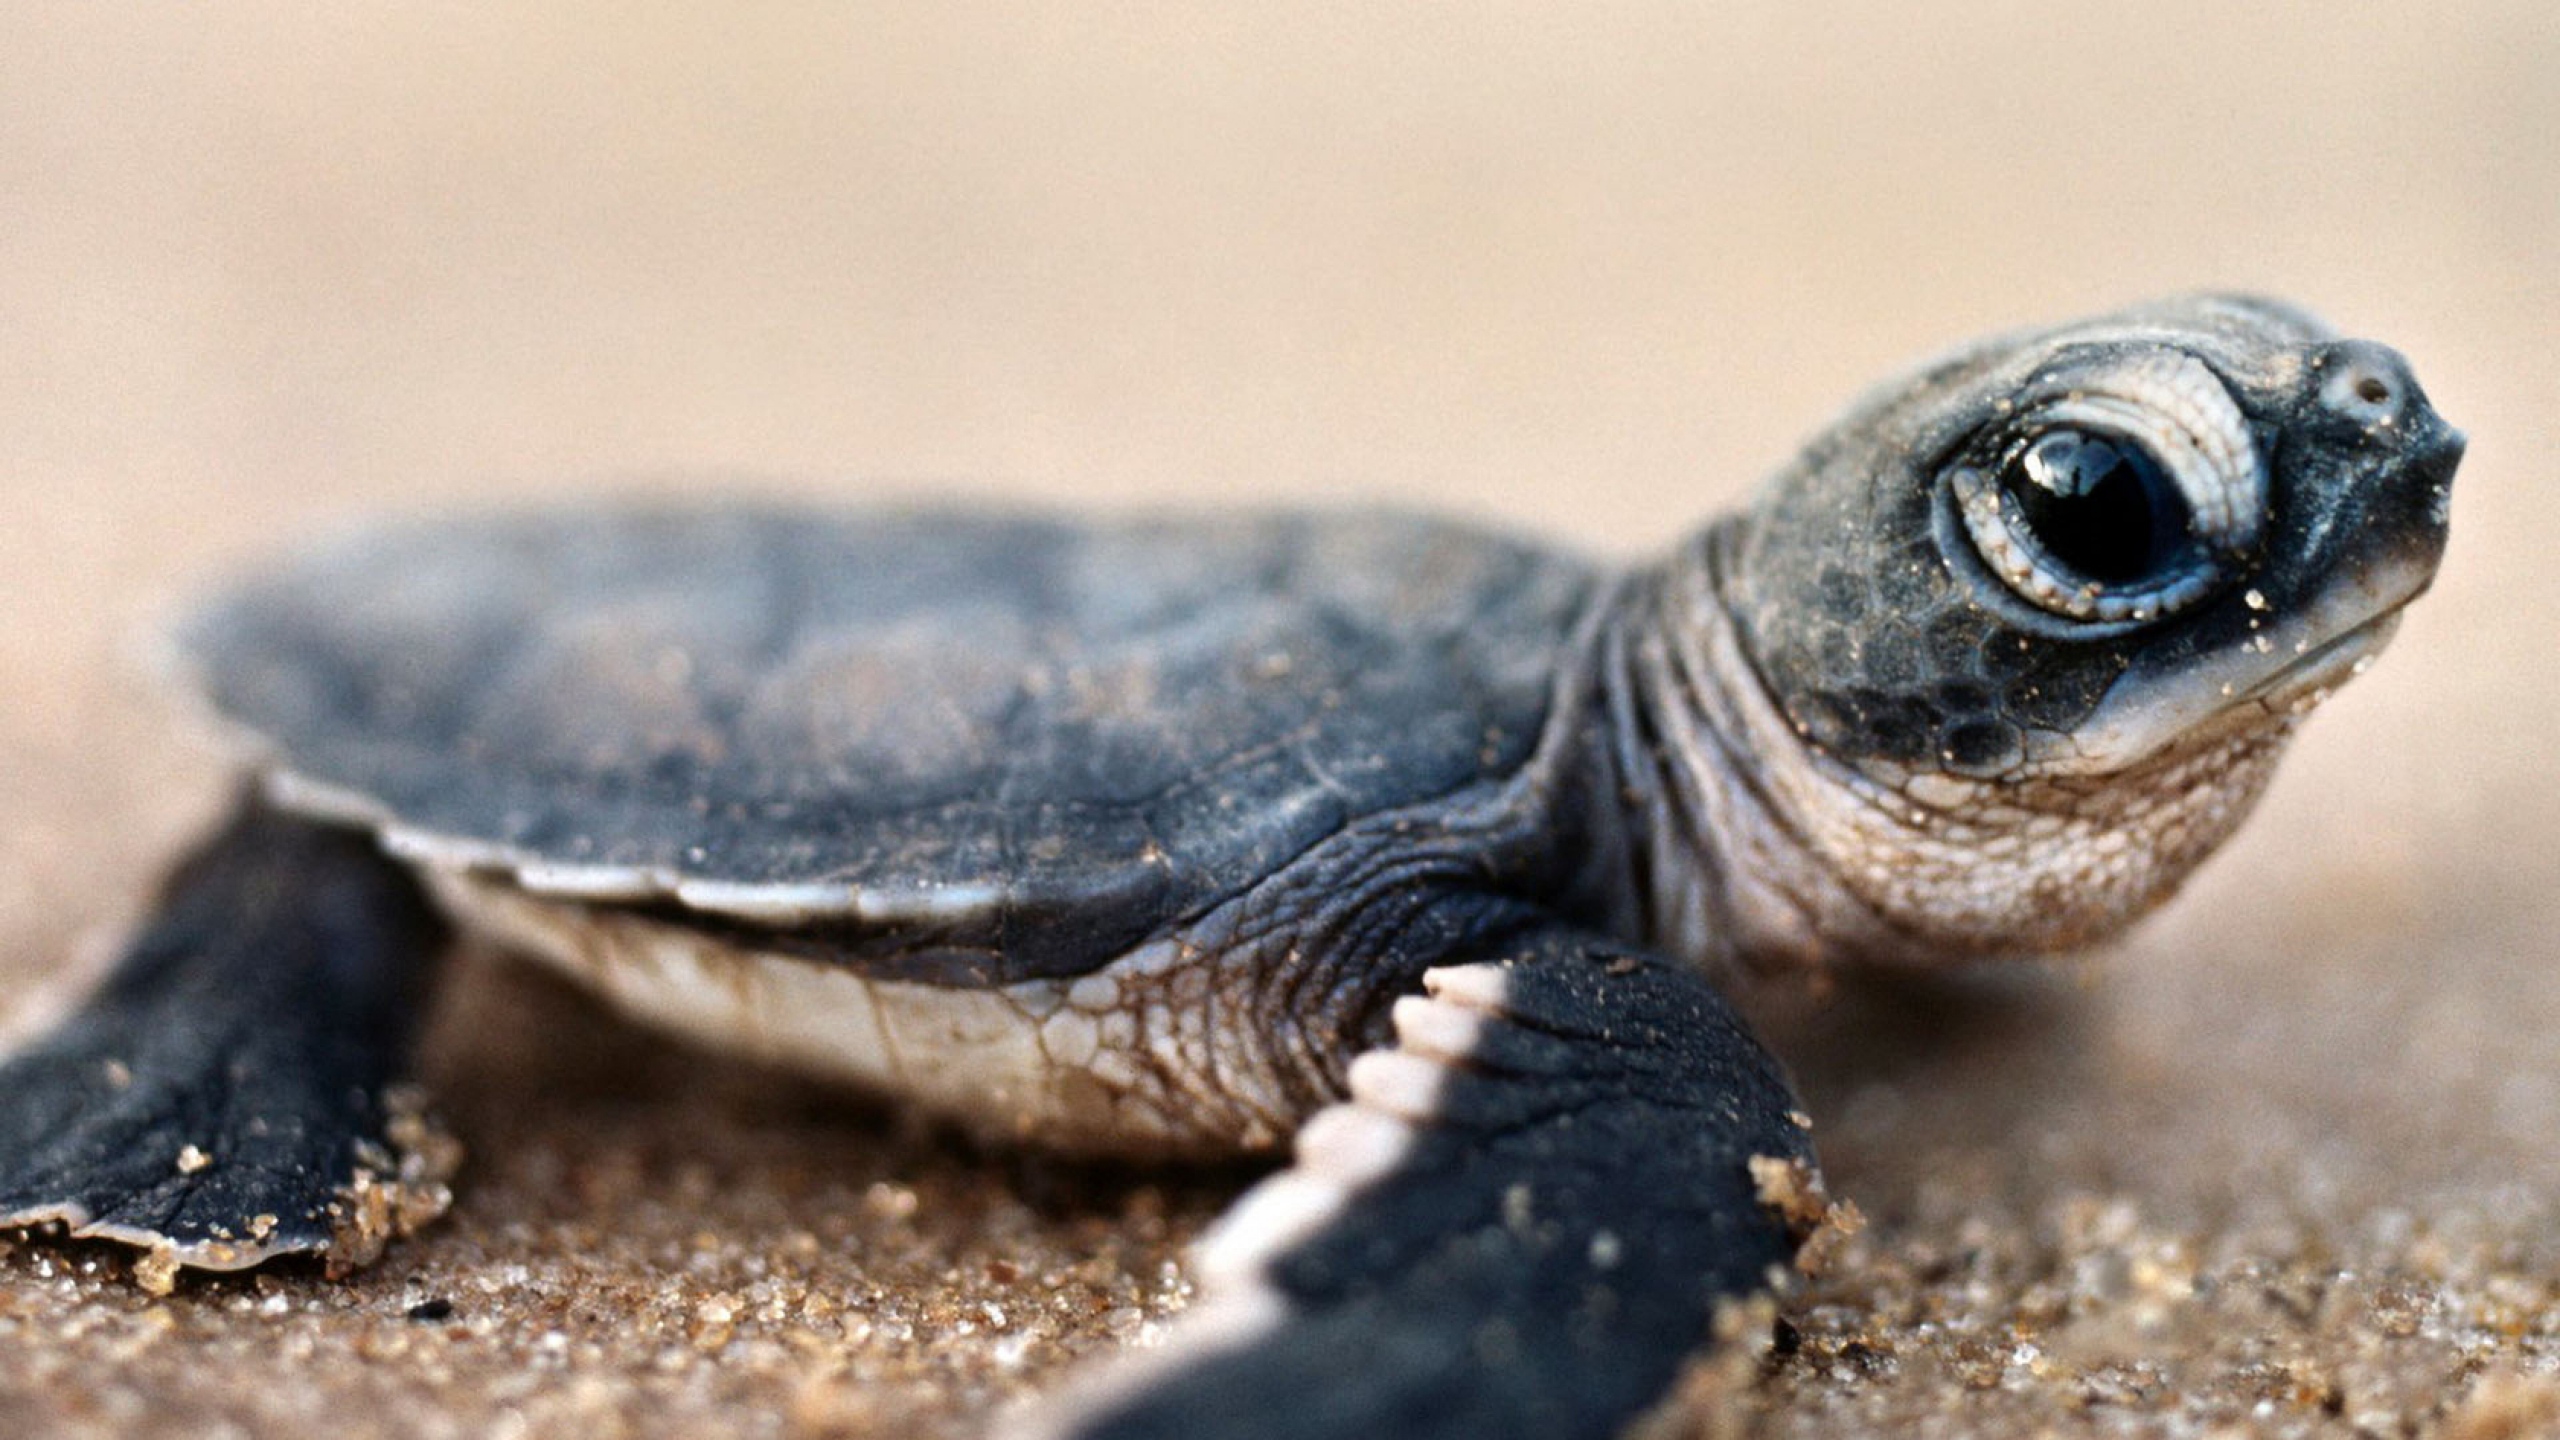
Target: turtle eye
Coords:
[[2098, 507], [2120, 499]]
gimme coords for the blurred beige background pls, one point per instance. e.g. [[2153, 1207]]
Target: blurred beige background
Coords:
[[1588, 270]]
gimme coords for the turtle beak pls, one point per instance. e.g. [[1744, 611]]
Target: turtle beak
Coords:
[[2431, 470]]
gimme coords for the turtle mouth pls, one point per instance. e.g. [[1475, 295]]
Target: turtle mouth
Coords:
[[2283, 667], [2327, 664]]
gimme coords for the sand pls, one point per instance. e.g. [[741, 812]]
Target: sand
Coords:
[[2279, 1163]]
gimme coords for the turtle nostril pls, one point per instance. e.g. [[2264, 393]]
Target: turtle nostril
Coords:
[[2366, 383]]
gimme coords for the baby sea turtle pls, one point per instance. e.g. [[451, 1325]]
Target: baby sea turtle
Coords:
[[1186, 837]]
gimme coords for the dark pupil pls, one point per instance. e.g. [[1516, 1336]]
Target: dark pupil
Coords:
[[2100, 507]]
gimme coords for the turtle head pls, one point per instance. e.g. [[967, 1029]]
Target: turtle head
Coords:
[[2043, 612]]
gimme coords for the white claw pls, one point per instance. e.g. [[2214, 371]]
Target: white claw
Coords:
[[1478, 987], [1428, 1025], [1352, 1145], [1399, 1084], [1272, 1216]]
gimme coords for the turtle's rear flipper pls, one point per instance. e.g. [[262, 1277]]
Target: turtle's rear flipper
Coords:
[[1517, 1228], [225, 1088]]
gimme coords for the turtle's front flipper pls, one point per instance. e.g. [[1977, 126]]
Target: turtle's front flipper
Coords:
[[1518, 1226], [226, 1085]]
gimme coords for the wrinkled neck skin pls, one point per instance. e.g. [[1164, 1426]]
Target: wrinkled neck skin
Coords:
[[1757, 856]]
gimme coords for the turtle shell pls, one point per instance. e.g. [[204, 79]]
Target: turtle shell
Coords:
[[973, 748]]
